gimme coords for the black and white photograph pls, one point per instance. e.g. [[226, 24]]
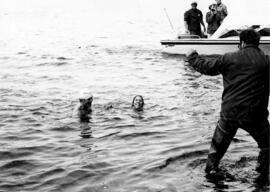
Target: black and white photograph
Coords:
[[134, 95]]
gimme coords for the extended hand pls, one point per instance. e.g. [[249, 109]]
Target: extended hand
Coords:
[[190, 52]]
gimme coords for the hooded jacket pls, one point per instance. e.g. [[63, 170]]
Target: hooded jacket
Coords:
[[245, 80]]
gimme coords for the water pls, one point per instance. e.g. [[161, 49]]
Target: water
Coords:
[[51, 51]]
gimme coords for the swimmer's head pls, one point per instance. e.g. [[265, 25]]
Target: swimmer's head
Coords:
[[138, 103]]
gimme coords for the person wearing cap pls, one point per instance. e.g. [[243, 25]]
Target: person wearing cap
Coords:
[[213, 19], [222, 9], [244, 100], [193, 19]]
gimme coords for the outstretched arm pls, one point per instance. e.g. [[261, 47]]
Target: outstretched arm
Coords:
[[208, 65]]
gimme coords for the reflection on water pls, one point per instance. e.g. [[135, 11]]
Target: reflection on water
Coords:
[[86, 131], [163, 148]]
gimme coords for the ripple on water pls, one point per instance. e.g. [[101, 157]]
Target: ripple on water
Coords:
[[25, 164], [69, 181], [14, 154], [63, 58], [22, 53], [138, 134], [53, 63], [64, 128], [182, 157], [18, 138], [53, 172]]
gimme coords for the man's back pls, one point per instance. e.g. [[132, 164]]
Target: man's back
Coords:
[[246, 84], [245, 79]]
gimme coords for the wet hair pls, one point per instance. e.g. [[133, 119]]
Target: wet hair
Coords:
[[132, 105], [250, 36]]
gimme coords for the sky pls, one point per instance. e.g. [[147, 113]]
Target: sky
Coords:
[[99, 12], [234, 6], [173, 6]]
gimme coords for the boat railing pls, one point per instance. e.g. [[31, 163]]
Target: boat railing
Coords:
[[187, 36]]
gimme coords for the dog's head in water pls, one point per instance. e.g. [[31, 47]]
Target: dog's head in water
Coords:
[[85, 107]]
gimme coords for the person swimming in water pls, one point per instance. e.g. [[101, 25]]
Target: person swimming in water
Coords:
[[138, 103], [84, 108]]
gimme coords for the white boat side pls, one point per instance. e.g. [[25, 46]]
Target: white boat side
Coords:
[[208, 46]]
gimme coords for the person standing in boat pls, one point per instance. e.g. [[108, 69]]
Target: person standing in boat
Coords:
[[222, 9], [213, 19], [245, 98], [193, 19]]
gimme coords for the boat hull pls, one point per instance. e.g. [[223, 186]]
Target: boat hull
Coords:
[[207, 46]]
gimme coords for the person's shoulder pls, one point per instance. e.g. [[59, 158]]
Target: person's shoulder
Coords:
[[233, 55], [199, 10], [188, 11], [223, 6]]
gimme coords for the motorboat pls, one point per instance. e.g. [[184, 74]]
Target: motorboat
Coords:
[[225, 39]]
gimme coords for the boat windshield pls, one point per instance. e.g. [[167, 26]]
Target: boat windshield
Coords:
[[230, 33], [264, 31]]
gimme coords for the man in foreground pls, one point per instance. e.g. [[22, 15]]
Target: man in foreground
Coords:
[[193, 19], [245, 97]]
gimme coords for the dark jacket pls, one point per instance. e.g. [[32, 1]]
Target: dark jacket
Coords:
[[193, 17], [213, 21], [245, 80]]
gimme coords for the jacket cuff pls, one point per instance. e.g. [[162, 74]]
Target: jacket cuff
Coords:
[[191, 57]]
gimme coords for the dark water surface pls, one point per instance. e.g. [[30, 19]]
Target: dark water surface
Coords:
[[47, 58]]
